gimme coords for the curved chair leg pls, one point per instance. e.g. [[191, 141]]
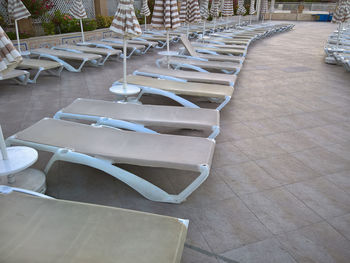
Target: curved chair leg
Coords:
[[145, 188]]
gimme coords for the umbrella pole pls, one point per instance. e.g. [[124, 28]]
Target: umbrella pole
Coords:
[[3, 146], [214, 23], [82, 30], [188, 29], [17, 35], [124, 63], [250, 19], [203, 31], [239, 20], [167, 46], [145, 23]]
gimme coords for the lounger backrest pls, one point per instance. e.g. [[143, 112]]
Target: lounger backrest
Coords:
[[188, 46]]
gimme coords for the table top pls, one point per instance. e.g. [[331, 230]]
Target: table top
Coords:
[[170, 53], [130, 90], [19, 158]]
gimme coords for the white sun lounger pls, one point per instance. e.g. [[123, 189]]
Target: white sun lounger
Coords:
[[134, 117], [101, 147], [61, 56], [201, 77], [210, 55], [36, 229], [105, 52], [52, 67], [132, 48], [20, 76], [198, 64], [135, 41], [168, 88]]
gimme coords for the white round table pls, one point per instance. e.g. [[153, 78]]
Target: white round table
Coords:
[[14, 172], [166, 53], [125, 94]]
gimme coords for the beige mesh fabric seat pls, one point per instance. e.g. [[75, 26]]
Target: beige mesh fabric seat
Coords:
[[100, 147], [61, 56], [51, 230], [217, 57], [134, 116], [40, 65], [131, 48], [201, 77], [200, 65], [20, 76], [105, 52], [218, 93]]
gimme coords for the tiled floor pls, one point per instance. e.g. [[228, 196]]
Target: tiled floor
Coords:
[[279, 189]]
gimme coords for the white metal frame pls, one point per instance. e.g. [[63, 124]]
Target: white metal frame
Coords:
[[145, 188]]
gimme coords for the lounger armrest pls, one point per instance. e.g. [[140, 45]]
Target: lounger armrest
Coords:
[[4, 189], [190, 57], [206, 52]]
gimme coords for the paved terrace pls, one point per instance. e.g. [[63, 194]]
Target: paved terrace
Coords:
[[279, 189]]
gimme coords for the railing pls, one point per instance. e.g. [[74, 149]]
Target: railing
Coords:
[[308, 6], [62, 5]]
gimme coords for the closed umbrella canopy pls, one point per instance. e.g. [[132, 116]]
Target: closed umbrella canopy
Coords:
[[342, 12], [264, 6], [241, 9], [214, 9], [165, 14], [145, 9], [228, 8], [9, 59], [204, 9], [17, 11], [78, 11], [9, 56], [189, 11], [252, 8], [126, 25]]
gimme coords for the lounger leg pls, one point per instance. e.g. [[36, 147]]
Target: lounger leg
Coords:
[[223, 104], [22, 80], [216, 131], [142, 186], [63, 63], [36, 76]]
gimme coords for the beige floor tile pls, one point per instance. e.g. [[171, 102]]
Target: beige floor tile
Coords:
[[287, 169], [322, 136], [229, 224], [267, 251], [342, 150], [316, 243], [258, 148], [341, 224], [322, 196], [292, 141], [235, 131], [247, 178], [226, 153], [279, 210], [322, 161], [268, 126], [342, 180]]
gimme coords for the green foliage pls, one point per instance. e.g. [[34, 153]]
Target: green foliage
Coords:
[[2, 21], [104, 21], [62, 23], [12, 35], [38, 8]]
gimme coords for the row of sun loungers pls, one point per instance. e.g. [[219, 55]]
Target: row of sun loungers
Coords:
[[123, 133], [337, 48]]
